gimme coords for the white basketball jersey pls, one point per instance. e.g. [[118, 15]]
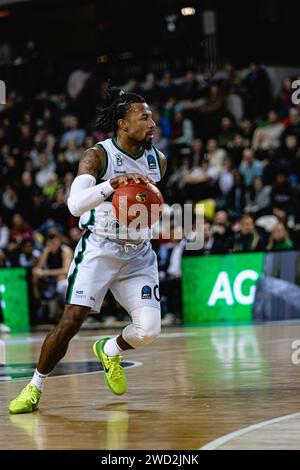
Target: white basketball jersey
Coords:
[[101, 220]]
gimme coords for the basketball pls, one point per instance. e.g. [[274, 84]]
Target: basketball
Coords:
[[140, 201]]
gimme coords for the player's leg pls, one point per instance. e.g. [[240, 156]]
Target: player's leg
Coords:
[[85, 291], [136, 289], [53, 350]]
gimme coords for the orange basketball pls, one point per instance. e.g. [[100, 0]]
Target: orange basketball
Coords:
[[139, 202]]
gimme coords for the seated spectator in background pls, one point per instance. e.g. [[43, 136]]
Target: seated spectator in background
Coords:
[[62, 165], [73, 133], [28, 256], [208, 240], [200, 182], [288, 154], [58, 210], [268, 137], [215, 155], [20, 229], [169, 261], [250, 168], [212, 111], [50, 274], [283, 194], [9, 203], [4, 235], [226, 131], [279, 239], [247, 238], [72, 152], [175, 185], [246, 129], [46, 169], [258, 198], [182, 132], [235, 201], [222, 233], [235, 149], [292, 124], [226, 179], [197, 152], [161, 142]]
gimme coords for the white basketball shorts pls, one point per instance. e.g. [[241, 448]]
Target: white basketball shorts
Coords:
[[100, 264]]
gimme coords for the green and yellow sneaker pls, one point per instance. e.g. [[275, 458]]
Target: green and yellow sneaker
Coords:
[[113, 371], [26, 401]]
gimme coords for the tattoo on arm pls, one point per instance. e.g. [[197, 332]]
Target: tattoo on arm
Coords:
[[91, 163]]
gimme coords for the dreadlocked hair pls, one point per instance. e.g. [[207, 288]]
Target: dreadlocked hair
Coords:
[[115, 106]]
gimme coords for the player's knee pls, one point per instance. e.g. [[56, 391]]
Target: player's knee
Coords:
[[148, 331]]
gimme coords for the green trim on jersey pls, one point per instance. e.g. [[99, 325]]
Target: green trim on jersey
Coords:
[[91, 220], [103, 171], [78, 260], [135, 157], [158, 160]]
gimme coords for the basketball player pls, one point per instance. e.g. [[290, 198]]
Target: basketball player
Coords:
[[102, 261]]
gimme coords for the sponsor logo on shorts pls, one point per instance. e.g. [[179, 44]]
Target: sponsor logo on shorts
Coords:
[[146, 292], [80, 295], [151, 162]]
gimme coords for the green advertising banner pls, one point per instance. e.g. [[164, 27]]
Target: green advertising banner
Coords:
[[14, 298], [220, 288]]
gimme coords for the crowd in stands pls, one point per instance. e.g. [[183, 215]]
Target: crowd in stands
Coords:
[[230, 143]]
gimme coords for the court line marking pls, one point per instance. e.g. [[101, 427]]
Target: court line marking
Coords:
[[131, 366], [214, 445]]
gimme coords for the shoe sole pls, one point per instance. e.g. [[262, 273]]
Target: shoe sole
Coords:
[[107, 382], [22, 412]]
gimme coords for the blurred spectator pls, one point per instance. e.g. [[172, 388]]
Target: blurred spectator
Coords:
[[28, 256], [73, 133], [247, 238], [279, 239], [20, 229], [215, 155], [222, 233], [226, 131], [250, 168], [4, 235], [268, 137], [236, 197], [258, 198], [49, 276], [197, 152], [282, 194]]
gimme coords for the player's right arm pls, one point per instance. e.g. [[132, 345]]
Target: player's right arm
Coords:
[[85, 194]]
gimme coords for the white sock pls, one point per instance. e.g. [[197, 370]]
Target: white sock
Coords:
[[111, 347], [38, 379]]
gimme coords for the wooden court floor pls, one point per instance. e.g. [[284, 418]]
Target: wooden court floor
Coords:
[[211, 388]]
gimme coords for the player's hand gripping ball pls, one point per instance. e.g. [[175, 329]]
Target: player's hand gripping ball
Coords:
[[138, 202]]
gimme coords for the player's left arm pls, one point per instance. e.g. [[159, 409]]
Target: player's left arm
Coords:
[[163, 163]]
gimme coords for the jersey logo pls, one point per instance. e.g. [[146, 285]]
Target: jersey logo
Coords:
[[146, 292], [151, 161], [141, 197], [119, 159]]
